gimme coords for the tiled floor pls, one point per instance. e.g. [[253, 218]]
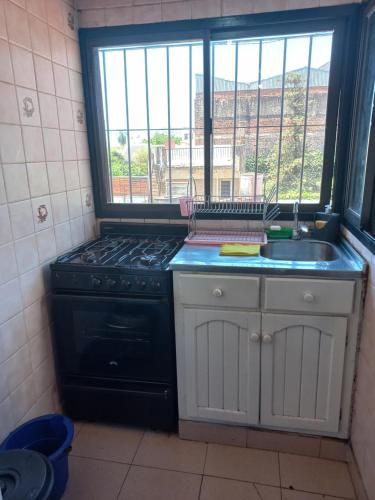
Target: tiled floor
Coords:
[[110, 462]]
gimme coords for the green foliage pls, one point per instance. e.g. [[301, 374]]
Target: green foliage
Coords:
[[159, 138], [120, 166], [122, 138], [291, 152], [140, 162], [118, 163]]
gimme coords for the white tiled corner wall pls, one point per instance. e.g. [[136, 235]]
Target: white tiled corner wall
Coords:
[[46, 204], [93, 13], [363, 424]]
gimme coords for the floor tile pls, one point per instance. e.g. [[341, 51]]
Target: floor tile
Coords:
[[115, 443], [268, 492], [215, 488], [284, 442], [212, 433], [94, 479], [326, 497], [243, 463], [167, 451], [300, 495], [77, 428], [316, 475], [143, 483]]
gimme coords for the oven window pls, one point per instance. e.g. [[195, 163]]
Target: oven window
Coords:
[[117, 338]]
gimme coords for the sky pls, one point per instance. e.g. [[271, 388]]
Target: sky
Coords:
[[248, 67]]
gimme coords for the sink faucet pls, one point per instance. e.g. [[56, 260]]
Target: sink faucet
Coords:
[[298, 229], [295, 213]]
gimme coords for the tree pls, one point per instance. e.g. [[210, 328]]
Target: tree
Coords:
[[292, 149], [140, 162], [160, 139], [122, 138], [120, 165]]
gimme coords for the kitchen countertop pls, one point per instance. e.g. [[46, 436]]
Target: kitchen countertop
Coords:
[[349, 263]]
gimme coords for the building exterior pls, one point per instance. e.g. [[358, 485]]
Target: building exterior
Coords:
[[242, 144]]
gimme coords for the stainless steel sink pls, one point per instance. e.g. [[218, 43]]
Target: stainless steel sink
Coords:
[[306, 251]]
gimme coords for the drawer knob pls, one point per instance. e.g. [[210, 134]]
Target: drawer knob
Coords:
[[308, 297], [267, 338], [217, 292], [255, 337]]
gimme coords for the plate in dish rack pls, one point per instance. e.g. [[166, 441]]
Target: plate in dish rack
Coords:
[[221, 237]]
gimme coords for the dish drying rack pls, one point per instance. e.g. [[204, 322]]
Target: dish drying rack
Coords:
[[198, 208]]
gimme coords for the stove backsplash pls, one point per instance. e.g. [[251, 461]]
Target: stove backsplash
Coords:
[[46, 204]]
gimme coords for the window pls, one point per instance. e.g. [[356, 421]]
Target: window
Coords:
[[153, 121], [269, 111], [360, 210], [195, 109], [225, 189]]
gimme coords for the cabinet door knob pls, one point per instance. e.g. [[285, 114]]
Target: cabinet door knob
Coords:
[[255, 337], [267, 338], [217, 292], [308, 297]]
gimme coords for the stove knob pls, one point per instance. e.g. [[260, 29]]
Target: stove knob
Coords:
[[96, 282], [111, 283], [142, 285], [156, 285], [126, 284]]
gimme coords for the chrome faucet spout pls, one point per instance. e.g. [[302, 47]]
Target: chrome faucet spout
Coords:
[[299, 230], [295, 212]]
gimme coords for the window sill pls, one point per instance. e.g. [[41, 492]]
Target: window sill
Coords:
[[364, 237], [117, 211]]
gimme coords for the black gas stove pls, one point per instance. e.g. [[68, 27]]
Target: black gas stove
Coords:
[[126, 258], [114, 328]]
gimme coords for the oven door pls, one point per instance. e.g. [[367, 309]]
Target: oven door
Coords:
[[114, 337]]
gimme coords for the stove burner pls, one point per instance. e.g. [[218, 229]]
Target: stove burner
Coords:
[[126, 252], [148, 260], [91, 257]]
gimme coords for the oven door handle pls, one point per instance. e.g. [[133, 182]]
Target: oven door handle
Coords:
[[95, 298], [119, 327]]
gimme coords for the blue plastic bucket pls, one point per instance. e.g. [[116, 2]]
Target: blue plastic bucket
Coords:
[[52, 436]]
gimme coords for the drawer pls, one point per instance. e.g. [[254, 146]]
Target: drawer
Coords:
[[320, 296], [219, 290]]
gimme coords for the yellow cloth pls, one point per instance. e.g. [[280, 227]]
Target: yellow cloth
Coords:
[[238, 249]]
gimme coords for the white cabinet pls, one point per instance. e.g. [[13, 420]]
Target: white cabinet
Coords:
[[222, 361], [218, 290], [302, 371], [258, 354], [309, 295]]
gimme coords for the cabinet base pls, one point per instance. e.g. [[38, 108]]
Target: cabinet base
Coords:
[[287, 442]]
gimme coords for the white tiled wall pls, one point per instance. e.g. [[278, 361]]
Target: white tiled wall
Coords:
[[46, 204], [119, 12], [362, 433]]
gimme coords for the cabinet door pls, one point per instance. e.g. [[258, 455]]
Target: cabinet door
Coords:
[[302, 361], [222, 360]]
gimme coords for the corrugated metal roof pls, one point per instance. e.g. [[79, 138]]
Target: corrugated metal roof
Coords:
[[318, 78]]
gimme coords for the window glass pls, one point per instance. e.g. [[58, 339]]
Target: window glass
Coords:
[[363, 123], [153, 109], [268, 100], [269, 107]]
